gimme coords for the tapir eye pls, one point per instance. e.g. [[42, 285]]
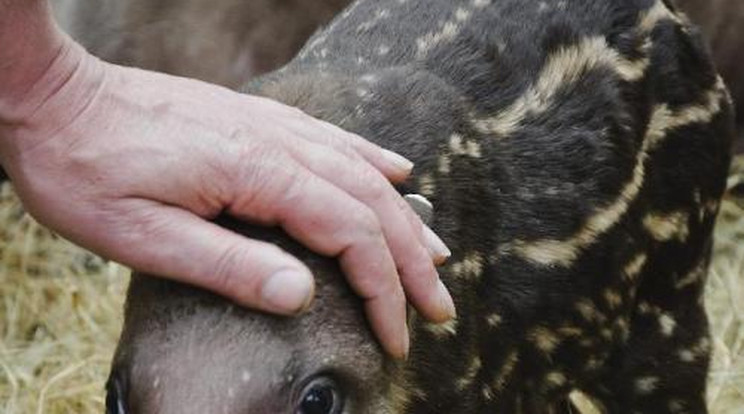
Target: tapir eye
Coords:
[[115, 396], [321, 396]]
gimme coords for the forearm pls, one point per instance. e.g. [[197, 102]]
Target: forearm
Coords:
[[29, 42]]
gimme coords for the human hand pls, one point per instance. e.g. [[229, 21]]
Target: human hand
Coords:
[[132, 164]]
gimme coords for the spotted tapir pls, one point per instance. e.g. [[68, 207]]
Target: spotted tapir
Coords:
[[574, 152]]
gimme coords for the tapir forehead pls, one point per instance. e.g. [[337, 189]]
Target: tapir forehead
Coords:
[[208, 372], [184, 349]]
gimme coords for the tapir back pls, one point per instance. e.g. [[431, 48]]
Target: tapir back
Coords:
[[575, 152]]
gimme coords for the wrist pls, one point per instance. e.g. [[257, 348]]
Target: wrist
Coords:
[[55, 98], [29, 42]]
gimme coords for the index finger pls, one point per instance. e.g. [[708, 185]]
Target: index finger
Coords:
[[329, 221]]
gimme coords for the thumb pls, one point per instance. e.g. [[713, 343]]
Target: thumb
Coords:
[[176, 244]]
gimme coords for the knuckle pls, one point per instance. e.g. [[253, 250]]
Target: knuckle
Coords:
[[132, 222], [374, 186], [264, 173], [223, 277], [394, 293], [345, 147], [366, 220]]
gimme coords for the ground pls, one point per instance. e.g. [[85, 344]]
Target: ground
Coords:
[[61, 310]]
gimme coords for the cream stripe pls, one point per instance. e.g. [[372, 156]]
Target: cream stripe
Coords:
[[449, 30], [658, 12], [663, 120], [564, 67]]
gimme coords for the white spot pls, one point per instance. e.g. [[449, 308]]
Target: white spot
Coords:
[[697, 274], [544, 340], [634, 267], [444, 164], [667, 324], [555, 379], [646, 308], [687, 355], [380, 15], [448, 32], [383, 50], [369, 78], [487, 392], [427, 186], [676, 406], [245, 376], [586, 308], [505, 372], [613, 298], [318, 41], [646, 385], [472, 371], [462, 15], [584, 403], [665, 227], [460, 146], [469, 267], [494, 320]]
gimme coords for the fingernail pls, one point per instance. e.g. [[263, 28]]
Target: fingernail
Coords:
[[288, 291], [398, 160], [439, 251], [447, 302]]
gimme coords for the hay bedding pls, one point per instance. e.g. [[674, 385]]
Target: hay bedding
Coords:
[[60, 315]]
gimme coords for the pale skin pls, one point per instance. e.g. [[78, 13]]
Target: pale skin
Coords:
[[132, 165]]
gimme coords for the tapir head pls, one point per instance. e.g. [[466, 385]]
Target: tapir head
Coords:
[[184, 350]]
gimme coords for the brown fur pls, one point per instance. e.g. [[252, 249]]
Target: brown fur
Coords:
[[225, 42]]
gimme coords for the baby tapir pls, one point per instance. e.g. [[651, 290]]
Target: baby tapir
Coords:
[[574, 152]]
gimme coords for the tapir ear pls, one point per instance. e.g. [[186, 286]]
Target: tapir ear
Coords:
[[421, 206]]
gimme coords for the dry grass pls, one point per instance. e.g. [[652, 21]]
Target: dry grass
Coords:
[[61, 313], [725, 303]]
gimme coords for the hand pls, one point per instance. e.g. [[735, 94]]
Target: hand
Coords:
[[131, 165]]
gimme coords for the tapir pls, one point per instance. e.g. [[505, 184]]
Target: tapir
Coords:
[[572, 154]]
